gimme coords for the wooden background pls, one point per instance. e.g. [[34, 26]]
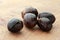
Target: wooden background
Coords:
[[12, 9]]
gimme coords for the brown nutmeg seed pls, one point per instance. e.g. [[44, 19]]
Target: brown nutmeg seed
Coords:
[[30, 20], [29, 10]]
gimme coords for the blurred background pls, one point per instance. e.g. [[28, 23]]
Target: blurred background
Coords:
[[12, 9]]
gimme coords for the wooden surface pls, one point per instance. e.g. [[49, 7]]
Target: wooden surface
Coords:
[[12, 9]]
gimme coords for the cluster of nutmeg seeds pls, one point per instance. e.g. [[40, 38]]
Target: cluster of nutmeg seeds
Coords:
[[31, 17]]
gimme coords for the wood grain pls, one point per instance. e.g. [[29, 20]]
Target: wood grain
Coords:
[[12, 9]]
